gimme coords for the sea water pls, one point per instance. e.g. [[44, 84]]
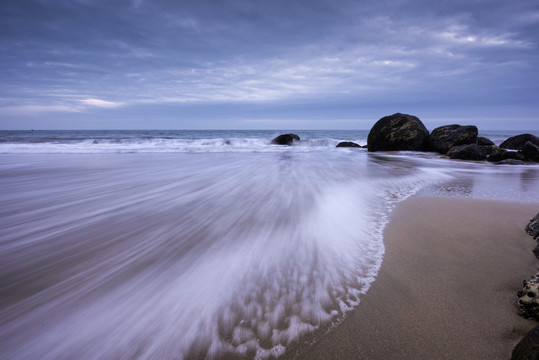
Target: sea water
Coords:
[[201, 244]]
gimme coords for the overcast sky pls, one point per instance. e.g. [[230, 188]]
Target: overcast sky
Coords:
[[228, 64]]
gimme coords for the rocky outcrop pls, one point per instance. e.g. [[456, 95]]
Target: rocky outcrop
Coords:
[[445, 137], [348, 144], [285, 139], [397, 132], [467, 152], [528, 347], [531, 151], [518, 142], [533, 227]]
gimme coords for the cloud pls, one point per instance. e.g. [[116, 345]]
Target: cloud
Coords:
[[101, 103], [37, 109]]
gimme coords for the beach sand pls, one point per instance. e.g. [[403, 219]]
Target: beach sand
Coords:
[[446, 289]]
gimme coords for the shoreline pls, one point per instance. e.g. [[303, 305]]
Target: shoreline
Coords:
[[447, 288]]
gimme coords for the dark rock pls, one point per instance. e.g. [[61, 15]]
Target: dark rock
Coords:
[[348, 144], [533, 227], [527, 298], [285, 139], [511, 162], [467, 152], [445, 137], [513, 155], [398, 132], [491, 149], [536, 251], [531, 151], [483, 141], [528, 347], [518, 142], [496, 154]]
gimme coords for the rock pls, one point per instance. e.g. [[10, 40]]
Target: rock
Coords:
[[513, 155], [496, 154], [467, 152], [536, 251], [285, 139], [528, 347], [491, 149], [518, 142], [397, 132], [511, 162], [531, 151], [445, 137], [529, 298], [533, 227], [348, 144], [483, 141]]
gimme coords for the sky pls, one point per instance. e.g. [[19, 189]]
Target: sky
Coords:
[[274, 64]]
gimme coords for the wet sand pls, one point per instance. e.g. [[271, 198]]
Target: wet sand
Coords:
[[446, 289]]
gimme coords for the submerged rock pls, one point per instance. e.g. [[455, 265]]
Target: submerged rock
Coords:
[[397, 132], [348, 144], [528, 347], [445, 137], [531, 151], [518, 142], [467, 152], [285, 139], [533, 227]]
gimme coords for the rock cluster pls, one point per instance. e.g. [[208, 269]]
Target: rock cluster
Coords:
[[407, 132], [528, 347]]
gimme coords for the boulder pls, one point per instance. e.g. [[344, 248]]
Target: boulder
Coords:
[[495, 154], [467, 152], [348, 144], [513, 155], [445, 137], [529, 298], [483, 141], [518, 142], [397, 132], [285, 139], [491, 149], [533, 227], [531, 151], [528, 347]]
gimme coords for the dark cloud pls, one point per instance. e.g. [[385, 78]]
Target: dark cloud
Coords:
[[263, 60]]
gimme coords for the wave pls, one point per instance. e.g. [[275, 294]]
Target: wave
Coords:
[[141, 145], [189, 256]]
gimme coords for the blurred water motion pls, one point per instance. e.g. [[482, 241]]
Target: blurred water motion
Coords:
[[123, 256]]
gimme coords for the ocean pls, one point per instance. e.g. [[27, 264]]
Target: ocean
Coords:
[[168, 244]]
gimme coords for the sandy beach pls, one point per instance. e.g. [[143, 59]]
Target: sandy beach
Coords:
[[446, 289]]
